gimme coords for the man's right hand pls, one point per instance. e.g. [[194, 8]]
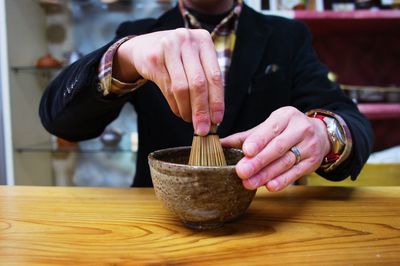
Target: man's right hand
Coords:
[[183, 63]]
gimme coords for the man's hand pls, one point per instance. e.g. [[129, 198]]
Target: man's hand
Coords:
[[183, 63], [268, 160]]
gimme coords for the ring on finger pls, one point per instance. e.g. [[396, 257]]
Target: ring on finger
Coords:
[[296, 153]]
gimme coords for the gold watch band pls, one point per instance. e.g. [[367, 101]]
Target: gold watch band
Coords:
[[339, 136]]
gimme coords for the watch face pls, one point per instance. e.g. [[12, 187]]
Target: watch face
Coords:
[[335, 133]]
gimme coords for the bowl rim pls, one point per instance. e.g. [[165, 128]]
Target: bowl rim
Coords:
[[151, 157]]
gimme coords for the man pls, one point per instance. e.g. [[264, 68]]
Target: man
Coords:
[[257, 76]]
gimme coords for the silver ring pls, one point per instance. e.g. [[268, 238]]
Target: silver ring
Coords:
[[296, 153]]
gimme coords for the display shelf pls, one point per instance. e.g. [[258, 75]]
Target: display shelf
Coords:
[[36, 69], [372, 94], [47, 147], [380, 110], [44, 72], [279, 13], [336, 15], [346, 15], [345, 22]]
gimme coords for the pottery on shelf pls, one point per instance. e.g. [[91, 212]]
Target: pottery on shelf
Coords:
[[111, 137], [48, 61]]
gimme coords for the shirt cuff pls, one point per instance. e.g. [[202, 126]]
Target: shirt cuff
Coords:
[[108, 84], [339, 136]]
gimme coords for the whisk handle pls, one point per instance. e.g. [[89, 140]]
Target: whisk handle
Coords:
[[213, 129]]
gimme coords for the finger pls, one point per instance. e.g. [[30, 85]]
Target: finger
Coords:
[[235, 140], [276, 148], [214, 76], [169, 96], [164, 83], [303, 168], [178, 88], [268, 130], [271, 171], [198, 88]]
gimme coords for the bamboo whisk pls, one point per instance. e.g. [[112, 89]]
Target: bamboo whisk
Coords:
[[207, 150]]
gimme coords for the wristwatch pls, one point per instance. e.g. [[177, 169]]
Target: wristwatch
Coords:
[[339, 137]]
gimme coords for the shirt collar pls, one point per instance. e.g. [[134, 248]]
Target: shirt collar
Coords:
[[191, 21]]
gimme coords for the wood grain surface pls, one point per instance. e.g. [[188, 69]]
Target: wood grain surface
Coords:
[[105, 226]]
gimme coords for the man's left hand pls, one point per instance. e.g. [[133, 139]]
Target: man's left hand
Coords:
[[267, 148]]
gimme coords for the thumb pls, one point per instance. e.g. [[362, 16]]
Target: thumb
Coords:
[[235, 140]]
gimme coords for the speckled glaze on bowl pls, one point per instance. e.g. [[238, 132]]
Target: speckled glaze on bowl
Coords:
[[202, 197]]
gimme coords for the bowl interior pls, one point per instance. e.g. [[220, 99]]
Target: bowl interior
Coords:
[[180, 156]]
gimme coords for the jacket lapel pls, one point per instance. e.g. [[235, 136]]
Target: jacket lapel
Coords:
[[172, 19], [251, 41]]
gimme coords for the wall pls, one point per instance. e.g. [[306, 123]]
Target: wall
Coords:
[[2, 148], [84, 26], [26, 42]]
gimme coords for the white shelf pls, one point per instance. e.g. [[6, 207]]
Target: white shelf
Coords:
[[335, 15], [6, 143]]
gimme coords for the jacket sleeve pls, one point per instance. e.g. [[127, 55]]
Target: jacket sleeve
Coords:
[[312, 89], [72, 107]]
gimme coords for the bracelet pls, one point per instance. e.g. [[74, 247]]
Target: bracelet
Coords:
[[339, 137]]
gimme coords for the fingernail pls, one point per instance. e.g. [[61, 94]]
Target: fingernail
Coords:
[[272, 185], [217, 117], [253, 182], [246, 169], [250, 148], [202, 128]]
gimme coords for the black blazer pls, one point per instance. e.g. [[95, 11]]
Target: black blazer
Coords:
[[273, 65]]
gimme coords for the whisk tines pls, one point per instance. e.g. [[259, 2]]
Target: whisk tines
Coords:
[[207, 150]]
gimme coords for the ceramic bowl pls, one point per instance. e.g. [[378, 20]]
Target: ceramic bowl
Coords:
[[203, 197]]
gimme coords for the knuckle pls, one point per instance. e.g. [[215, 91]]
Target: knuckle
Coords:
[[289, 110], [199, 90], [165, 42], [199, 83], [154, 57], [314, 161], [258, 162], [280, 147], [276, 129], [182, 34], [314, 147], [179, 87], [292, 111], [216, 76], [258, 141], [265, 178], [202, 34], [288, 160], [283, 109], [308, 129]]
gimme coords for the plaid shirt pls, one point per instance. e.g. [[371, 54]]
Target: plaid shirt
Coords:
[[223, 36]]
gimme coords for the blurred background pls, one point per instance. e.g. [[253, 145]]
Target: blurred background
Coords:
[[358, 40]]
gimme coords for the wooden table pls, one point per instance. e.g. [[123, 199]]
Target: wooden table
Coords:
[[105, 226]]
